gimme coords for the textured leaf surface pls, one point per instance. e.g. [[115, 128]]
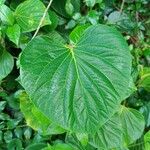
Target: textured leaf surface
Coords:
[[29, 13], [78, 86], [6, 63], [124, 128], [36, 119]]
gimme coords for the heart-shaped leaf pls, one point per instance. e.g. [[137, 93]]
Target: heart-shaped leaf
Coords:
[[78, 85]]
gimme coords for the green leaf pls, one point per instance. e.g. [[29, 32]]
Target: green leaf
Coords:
[[90, 3], [36, 146], [54, 19], [83, 138], [147, 140], [146, 113], [2, 2], [27, 133], [18, 132], [78, 86], [2, 105], [76, 5], [6, 63], [78, 143], [122, 20], [36, 119], [124, 128], [132, 124], [6, 15], [15, 144], [109, 135], [93, 17], [69, 7], [145, 79], [29, 13], [8, 136], [77, 33], [13, 32], [62, 146], [59, 7]]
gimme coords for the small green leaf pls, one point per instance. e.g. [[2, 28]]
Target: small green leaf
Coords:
[[13, 32], [6, 15], [2, 105], [18, 132], [29, 13], [54, 19], [69, 7], [8, 136], [145, 79], [6, 63], [90, 3], [27, 133], [83, 138], [15, 144], [59, 7]]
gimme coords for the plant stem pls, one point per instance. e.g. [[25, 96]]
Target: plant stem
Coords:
[[42, 19], [122, 5]]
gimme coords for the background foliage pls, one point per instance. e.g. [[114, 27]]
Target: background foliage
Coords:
[[20, 129]]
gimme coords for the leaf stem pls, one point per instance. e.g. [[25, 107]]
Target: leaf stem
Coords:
[[42, 19]]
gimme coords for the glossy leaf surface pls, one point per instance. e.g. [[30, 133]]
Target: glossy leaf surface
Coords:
[[78, 86]]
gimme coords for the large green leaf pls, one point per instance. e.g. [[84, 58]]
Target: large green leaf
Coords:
[[36, 119], [29, 13], [122, 129], [79, 85], [6, 63]]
